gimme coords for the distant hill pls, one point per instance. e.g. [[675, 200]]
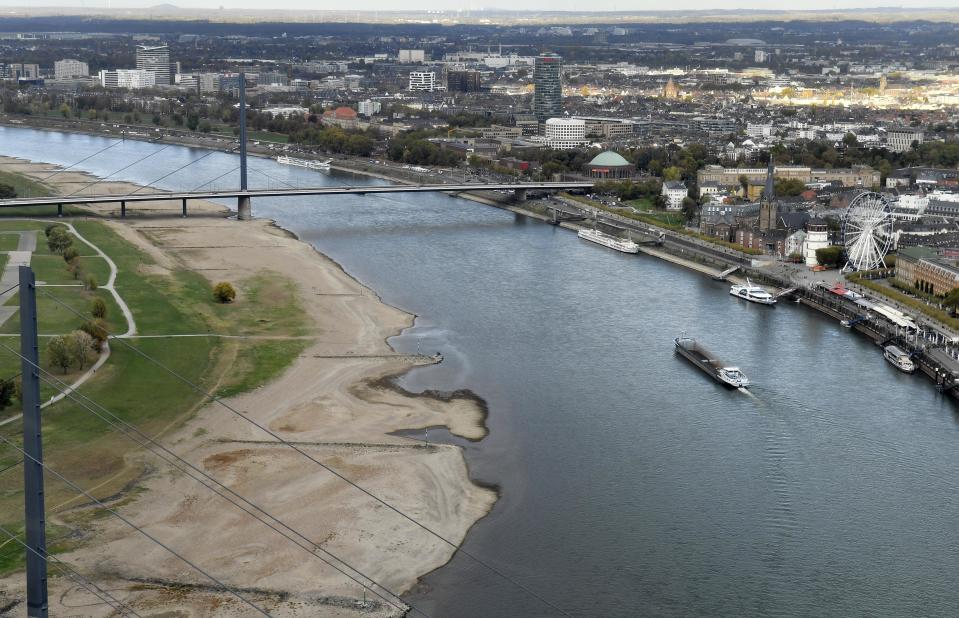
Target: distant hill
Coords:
[[489, 17]]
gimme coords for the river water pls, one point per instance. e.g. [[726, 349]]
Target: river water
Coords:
[[630, 483]]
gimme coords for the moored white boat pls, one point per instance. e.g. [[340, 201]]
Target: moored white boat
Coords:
[[753, 293], [899, 359], [620, 244], [307, 163]]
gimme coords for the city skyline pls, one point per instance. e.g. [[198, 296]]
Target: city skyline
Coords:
[[561, 6]]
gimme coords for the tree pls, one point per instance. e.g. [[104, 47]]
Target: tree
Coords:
[[690, 208], [59, 240], [65, 110], [7, 192], [90, 283], [70, 254], [672, 173], [60, 351], [97, 332], [82, 346], [952, 298], [8, 390], [98, 309], [829, 256], [223, 292]]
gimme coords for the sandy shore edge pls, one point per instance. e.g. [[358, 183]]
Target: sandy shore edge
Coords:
[[346, 416]]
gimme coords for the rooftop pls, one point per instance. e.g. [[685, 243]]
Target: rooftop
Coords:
[[609, 159]]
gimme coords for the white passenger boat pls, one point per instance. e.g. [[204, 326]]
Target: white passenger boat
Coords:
[[307, 163], [753, 293], [899, 359], [620, 244]]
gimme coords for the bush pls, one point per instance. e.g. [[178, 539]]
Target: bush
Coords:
[[98, 309], [223, 292], [82, 347], [70, 255], [7, 192], [829, 256], [60, 352], [8, 390], [90, 283], [97, 331], [59, 240]]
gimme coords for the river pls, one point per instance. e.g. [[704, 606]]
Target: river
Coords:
[[630, 483]]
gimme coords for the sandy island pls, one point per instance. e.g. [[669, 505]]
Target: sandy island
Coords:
[[331, 405]]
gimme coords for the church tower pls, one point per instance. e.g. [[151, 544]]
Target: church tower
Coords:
[[768, 212]]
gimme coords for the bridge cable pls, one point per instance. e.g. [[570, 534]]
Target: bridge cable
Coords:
[[129, 523], [214, 180], [128, 429], [182, 167], [99, 180], [316, 461], [74, 575], [63, 169]]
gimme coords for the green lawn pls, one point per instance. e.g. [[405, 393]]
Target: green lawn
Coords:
[[267, 136], [9, 242], [82, 446], [23, 185]]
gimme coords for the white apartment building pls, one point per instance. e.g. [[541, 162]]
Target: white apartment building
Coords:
[[565, 133], [69, 68], [368, 107], [675, 192], [127, 78], [756, 130], [423, 80], [900, 140], [208, 82], [409, 56]]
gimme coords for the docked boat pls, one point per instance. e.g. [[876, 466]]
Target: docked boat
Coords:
[[899, 359], [307, 163], [753, 293], [620, 244], [698, 355]]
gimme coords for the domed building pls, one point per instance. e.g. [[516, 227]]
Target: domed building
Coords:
[[609, 164]]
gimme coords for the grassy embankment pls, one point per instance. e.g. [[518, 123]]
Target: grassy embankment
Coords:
[[181, 302], [28, 187], [659, 218]]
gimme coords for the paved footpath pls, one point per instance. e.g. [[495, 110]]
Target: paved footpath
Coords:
[[11, 272]]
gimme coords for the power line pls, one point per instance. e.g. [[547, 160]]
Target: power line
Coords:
[[319, 463], [113, 512], [127, 429], [72, 573]]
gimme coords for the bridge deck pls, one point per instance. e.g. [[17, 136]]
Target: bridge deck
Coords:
[[251, 193]]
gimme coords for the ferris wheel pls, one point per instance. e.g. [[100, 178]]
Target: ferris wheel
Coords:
[[867, 231]]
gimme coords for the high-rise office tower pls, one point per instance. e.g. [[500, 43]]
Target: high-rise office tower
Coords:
[[548, 87], [155, 60]]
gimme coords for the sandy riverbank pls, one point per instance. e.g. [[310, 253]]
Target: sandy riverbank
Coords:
[[328, 403]]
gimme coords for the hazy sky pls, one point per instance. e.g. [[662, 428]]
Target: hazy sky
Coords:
[[561, 5]]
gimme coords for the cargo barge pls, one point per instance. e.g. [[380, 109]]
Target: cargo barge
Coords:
[[698, 355]]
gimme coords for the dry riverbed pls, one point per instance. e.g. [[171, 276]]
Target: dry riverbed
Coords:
[[330, 402]]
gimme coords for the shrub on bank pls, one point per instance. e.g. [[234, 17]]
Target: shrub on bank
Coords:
[[223, 292]]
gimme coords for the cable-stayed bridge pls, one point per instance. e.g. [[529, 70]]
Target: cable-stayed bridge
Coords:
[[244, 196]]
